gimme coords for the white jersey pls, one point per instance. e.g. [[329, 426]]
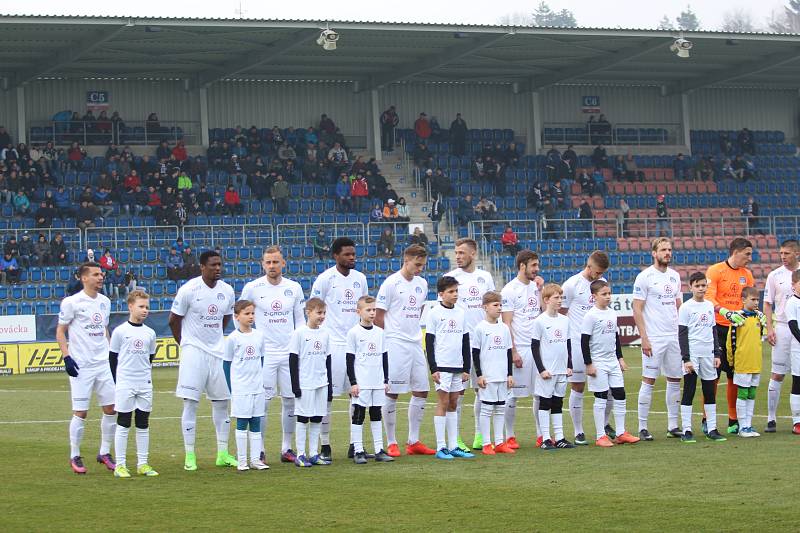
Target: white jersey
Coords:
[[87, 319], [279, 311], [601, 324], [403, 301], [578, 299], [245, 351], [367, 346], [448, 325], [793, 313], [133, 344], [311, 345], [778, 291], [494, 341], [523, 299], [698, 317], [203, 309], [552, 332], [659, 291], [340, 294], [471, 288]]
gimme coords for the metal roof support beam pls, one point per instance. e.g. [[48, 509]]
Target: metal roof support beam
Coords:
[[259, 57], [22, 119], [71, 53], [744, 69], [450, 54], [597, 64]]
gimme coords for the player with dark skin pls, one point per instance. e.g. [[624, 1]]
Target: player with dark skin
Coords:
[[211, 272]]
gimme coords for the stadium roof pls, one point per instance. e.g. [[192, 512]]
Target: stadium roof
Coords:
[[375, 54]]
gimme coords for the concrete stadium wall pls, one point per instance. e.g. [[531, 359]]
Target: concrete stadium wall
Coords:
[[757, 109], [645, 105]]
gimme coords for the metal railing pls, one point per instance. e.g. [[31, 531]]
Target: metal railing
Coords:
[[105, 132], [123, 237], [289, 234], [484, 232], [584, 133], [236, 235]]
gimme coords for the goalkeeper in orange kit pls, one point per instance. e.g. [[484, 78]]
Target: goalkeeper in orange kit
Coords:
[[725, 283]]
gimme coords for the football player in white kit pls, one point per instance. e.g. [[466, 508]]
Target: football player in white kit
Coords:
[[398, 310], [473, 283], [200, 312], [577, 300], [83, 319], [339, 287], [656, 299], [279, 311], [521, 305], [777, 292]]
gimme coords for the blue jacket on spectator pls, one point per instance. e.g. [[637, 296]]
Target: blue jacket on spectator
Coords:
[[61, 199], [5, 264], [174, 261], [342, 190]]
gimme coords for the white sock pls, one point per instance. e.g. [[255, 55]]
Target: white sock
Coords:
[[511, 417], [486, 422], [459, 403], [599, 412], [264, 420], [325, 430], [189, 424], [741, 412], [451, 419], [773, 398], [751, 407], [255, 446], [711, 416], [314, 430], [609, 408], [142, 445], [108, 426], [620, 408], [498, 413], [576, 410], [477, 411], [389, 412], [794, 405], [241, 446], [377, 434], [300, 433], [222, 423], [416, 410], [558, 425], [287, 423], [76, 425], [544, 424], [357, 437], [645, 400], [121, 445], [673, 396], [439, 426], [536, 417], [686, 417]]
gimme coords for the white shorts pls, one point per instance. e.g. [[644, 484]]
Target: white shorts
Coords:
[[495, 391], [276, 376], [609, 375], [555, 386], [578, 367], [665, 360], [408, 367], [95, 378], [200, 372], [248, 405], [128, 399], [341, 384], [450, 382], [782, 361], [746, 380], [523, 377], [312, 402], [369, 398], [704, 368]]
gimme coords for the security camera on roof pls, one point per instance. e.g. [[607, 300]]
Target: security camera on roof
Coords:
[[681, 47], [327, 39]]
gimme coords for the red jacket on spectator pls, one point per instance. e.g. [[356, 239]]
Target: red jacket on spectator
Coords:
[[131, 181], [359, 187], [179, 152], [74, 154], [509, 238], [108, 263], [232, 198], [422, 128], [155, 200]]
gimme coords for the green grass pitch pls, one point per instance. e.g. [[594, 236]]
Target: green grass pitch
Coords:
[[664, 485]]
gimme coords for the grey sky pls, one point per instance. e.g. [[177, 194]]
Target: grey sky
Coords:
[[613, 13]]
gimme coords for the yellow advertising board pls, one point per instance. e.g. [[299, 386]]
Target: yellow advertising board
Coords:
[[9, 359]]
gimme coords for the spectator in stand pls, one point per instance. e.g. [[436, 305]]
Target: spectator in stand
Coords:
[[102, 200], [42, 251], [74, 285], [623, 214], [478, 169], [22, 206], [726, 170], [725, 144], [215, 156], [746, 142], [236, 174], [599, 157], [132, 180], [185, 185], [205, 200], [191, 267], [435, 214], [750, 211], [233, 204], [58, 250], [423, 158], [286, 153], [553, 163], [153, 125], [422, 127], [163, 151], [603, 129], [390, 212], [570, 159], [5, 137], [632, 169], [486, 209], [44, 215], [510, 242], [662, 217], [107, 262], [403, 211], [11, 246], [389, 193], [742, 168], [9, 270], [586, 182], [558, 196], [386, 242], [458, 136], [343, 195], [466, 210], [620, 168], [174, 264], [130, 281], [704, 169], [280, 195], [322, 244], [376, 215], [27, 252], [389, 121], [418, 237], [180, 215], [180, 244], [180, 154], [326, 124], [680, 167], [359, 191], [337, 160], [75, 154], [585, 215], [85, 216]]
